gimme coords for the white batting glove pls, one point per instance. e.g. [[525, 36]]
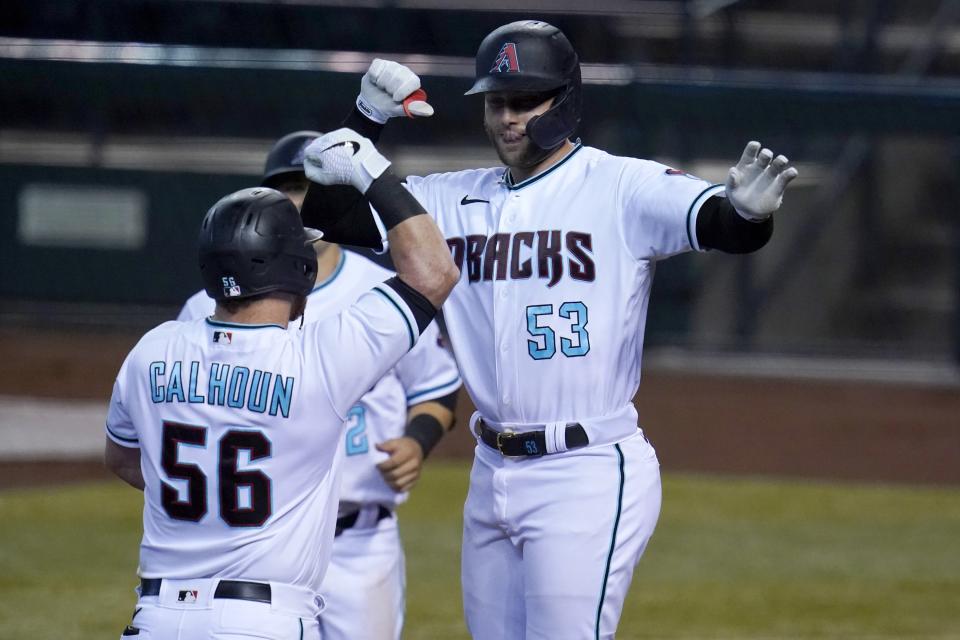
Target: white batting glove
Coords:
[[390, 90], [755, 186], [344, 157]]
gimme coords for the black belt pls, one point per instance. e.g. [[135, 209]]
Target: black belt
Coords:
[[349, 520], [226, 589], [530, 444]]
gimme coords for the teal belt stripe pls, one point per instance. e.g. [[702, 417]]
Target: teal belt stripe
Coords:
[[613, 542]]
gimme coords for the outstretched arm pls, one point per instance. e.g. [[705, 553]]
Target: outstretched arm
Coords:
[[742, 222]]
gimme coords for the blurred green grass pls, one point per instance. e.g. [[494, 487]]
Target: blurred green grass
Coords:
[[731, 558]]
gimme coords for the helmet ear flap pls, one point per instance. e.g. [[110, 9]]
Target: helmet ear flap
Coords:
[[560, 121]]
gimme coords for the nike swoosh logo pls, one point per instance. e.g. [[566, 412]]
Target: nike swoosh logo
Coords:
[[354, 145], [468, 200]]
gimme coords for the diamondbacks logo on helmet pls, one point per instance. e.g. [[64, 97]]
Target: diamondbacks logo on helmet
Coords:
[[506, 61]]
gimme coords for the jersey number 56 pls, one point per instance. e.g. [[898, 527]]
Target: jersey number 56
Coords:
[[230, 480]]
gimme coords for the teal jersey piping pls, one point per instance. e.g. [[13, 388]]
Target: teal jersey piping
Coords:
[[119, 437], [413, 340], [613, 542], [237, 325], [455, 381], [332, 276], [520, 185]]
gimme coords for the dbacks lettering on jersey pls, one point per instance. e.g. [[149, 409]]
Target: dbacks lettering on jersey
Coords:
[[511, 256]]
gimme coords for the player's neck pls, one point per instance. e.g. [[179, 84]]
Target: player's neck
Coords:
[[269, 310], [327, 261], [519, 174]]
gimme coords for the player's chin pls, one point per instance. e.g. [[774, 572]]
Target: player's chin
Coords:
[[512, 154]]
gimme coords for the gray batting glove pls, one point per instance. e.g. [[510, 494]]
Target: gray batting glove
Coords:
[[390, 90], [344, 157], [755, 186]]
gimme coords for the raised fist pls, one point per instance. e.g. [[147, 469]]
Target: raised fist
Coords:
[[390, 90]]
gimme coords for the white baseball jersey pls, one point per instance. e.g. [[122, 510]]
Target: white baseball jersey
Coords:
[[427, 372], [547, 321], [547, 324], [238, 428]]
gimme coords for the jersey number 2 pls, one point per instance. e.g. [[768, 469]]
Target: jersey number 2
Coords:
[[357, 442], [230, 479], [544, 343]]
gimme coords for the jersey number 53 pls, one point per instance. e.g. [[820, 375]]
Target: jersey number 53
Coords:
[[543, 346]]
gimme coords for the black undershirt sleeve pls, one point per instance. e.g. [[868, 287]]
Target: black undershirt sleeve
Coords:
[[363, 125], [449, 401], [340, 211], [720, 227], [422, 309]]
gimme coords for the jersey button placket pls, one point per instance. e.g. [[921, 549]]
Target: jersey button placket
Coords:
[[501, 300], [508, 225], [507, 366]]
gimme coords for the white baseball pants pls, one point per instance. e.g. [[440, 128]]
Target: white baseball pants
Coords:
[[550, 543], [364, 586], [171, 616]]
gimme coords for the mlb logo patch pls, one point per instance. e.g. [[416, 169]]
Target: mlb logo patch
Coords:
[[187, 596], [230, 287], [223, 337], [507, 61]]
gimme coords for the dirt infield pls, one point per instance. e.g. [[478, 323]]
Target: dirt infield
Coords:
[[716, 424]]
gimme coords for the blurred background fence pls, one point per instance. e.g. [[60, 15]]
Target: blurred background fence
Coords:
[[122, 121]]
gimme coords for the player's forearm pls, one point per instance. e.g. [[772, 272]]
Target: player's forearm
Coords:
[[442, 414], [363, 125], [720, 227], [426, 423], [342, 213], [124, 462], [422, 259], [418, 249]]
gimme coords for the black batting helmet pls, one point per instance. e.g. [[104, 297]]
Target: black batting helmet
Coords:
[[533, 56], [252, 242], [286, 157]]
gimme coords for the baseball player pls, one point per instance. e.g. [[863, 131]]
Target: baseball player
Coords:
[[233, 426], [557, 251], [389, 433]]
